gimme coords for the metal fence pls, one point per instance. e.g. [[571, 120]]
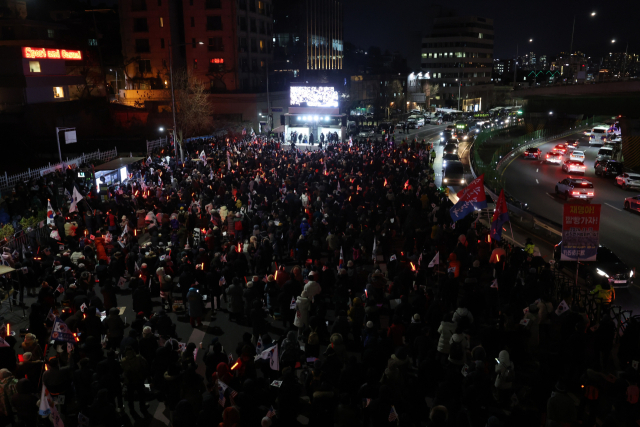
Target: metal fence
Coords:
[[160, 142], [9, 181], [23, 239]]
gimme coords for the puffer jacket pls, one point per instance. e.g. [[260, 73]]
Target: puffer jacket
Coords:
[[446, 331]]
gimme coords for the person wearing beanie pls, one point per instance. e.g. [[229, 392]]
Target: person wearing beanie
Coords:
[[30, 345]]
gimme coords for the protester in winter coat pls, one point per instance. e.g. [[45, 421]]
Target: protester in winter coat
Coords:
[[234, 299], [303, 305], [115, 328], [196, 307], [446, 330]]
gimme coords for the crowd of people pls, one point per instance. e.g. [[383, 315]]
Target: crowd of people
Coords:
[[363, 303]]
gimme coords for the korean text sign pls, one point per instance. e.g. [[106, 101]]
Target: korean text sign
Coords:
[[580, 232]]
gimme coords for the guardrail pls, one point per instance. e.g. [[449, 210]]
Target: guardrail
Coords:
[[9, 181]]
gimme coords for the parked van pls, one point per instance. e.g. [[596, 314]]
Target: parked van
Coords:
[[453, 173]]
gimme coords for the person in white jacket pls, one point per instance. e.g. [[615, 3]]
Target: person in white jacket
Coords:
[[312, 287], [305, 200], [303, 305], [446, 331]]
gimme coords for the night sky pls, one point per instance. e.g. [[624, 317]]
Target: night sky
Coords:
[[548, 23]]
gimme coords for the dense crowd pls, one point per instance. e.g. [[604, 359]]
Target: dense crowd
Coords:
[[364, 304]]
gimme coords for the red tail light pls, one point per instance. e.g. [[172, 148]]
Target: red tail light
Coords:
[[547, 156], [526, 152], [575, 193], [589, 194]]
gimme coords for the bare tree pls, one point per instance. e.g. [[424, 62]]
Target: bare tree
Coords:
[[430, 90], [126, 63], [216, 76], [93, 77], [193, 109]]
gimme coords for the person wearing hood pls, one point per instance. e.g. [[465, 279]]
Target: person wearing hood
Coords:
[[135, 371], [312, 287], [505, 376], [463, 316], [304, 227], [196, 306], [303, 306]]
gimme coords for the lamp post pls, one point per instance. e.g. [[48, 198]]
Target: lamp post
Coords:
[[515, 66], [173, 99], [624, 66]]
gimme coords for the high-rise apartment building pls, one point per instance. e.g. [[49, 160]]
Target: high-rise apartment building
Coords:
[[307, 37], [458, 56], [227, 44]]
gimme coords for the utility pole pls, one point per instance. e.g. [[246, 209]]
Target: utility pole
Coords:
[[173, 102], [572, 31]]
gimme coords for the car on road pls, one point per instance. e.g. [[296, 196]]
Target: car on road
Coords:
[[553, 157], [450, 148], [412, 124], [560, 148], [570, 166], [607, 266], [446, 135], [416, 111], [515, 202], [604, 153], [532, 153], [366, 132], [453, 173], [575, 188], [384, 126], [572, 143], [632, 203], [577, 156], [597, 134], [449, 157], [399, 127], [609, 168], [628, 180]]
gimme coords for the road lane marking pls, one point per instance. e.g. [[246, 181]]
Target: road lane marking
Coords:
[[537, 170], [550, 196], [611, 206], [537, 181]]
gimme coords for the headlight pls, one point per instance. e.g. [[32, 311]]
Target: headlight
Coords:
[[441, 133], [462, 181], [602, 273], [444, 180], [631, 273]]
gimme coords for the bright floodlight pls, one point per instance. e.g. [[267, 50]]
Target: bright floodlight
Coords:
[[161, 129], [530, 40], [550, 113], [315, 118], [613, 41], [200, 42], [593, 14]]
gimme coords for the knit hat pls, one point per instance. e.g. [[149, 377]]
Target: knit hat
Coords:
[[370, 324], [249, 284], [27, 356]]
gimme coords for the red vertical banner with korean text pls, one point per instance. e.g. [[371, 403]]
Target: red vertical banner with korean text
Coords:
[[580, 232]]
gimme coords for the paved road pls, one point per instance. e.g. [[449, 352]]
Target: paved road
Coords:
[[534, 183]]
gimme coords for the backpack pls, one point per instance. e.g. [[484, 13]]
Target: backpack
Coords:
[[314, 338]]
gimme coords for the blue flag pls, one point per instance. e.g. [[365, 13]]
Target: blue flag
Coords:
[[61, 332]]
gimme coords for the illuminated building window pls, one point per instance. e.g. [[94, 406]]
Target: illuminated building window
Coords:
[[58, 92], [34, 66], [51, 33], [161, 22]]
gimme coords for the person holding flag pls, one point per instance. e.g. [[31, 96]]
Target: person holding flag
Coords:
[[500, 216], [469, 199], [75, 199]]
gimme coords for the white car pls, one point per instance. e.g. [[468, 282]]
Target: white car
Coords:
[[597, 135], [632, 203], [552, 157], [577, 156], [575, 188], [573, 166], [628, 180]]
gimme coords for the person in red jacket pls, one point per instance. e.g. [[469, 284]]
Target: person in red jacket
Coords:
[[396, 331], [454, 265]]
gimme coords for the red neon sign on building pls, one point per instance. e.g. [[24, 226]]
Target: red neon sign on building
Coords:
[[45, 53], [217, 61]]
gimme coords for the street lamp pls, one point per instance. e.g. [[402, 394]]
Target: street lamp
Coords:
[[593, 14], [161, 129], [573, 29], [173, 98]]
